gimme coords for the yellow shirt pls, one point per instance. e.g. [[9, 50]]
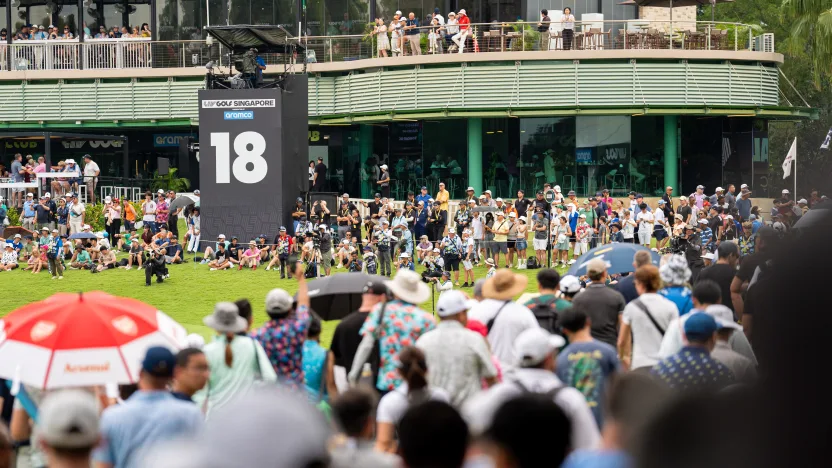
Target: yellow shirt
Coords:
[[443, 196], [500, 226]]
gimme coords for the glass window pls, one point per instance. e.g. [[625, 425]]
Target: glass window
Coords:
[[602, 156], [240, 12], [547, 153], [701, 150], [647, 170], [445, 156], [340, 149], [500, 150]]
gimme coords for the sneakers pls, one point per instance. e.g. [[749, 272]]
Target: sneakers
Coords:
[[204, 261], [253, 267], [128, 267], [61, 277], [267, 268], [213, 269], [54, 277], [572, 261], [465, 284], [239, 267]]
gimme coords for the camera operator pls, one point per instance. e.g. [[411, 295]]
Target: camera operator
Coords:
[[155, 265], [323, 243], [355, 264], [690, 245]]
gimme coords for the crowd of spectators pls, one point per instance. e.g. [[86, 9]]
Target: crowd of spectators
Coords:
[[34, 32]]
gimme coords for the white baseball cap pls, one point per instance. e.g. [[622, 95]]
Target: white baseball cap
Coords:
[[108, 199], [47, 195], [512, 215], [435, 250], [221, 236], [743, 186], [703, 221], [404, 255], [399, 12], [557, 188], [488, 192], [498, 199], [383, 166], [453, 302], [534, 345], [469, 189], [322, 226], [570, 284], [708, 255], [785, 191], [346, 195], [720, 189], [160, 191], [583, 216], [700, 187]]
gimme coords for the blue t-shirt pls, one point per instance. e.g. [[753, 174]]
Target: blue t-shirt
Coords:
[[573, 221], [679, 295], [598, 459], [314, 361], [424, 199], [586, 367]]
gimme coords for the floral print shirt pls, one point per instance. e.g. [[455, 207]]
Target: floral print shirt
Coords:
[[401, 326], [283, 341]]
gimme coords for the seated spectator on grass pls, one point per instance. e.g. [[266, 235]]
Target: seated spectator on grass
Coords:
[[209, 251], [106, 260], [9, 260], [40, 261], [174, 251], [251, 257], [81, 260], [136, 255], [221, 259]]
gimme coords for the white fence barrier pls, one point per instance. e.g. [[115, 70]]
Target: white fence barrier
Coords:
[[66, 54]]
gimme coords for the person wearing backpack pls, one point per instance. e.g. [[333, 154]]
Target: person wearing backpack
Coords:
[[548, 305], [644, 321], [536, 352]]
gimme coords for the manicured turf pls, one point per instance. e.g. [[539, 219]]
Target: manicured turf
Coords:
[[188, 296]]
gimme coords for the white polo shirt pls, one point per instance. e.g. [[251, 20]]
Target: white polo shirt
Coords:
[[514, 319], [479, 411]]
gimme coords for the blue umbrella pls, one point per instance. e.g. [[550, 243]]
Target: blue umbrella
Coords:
[[83, 235], [619, 258]]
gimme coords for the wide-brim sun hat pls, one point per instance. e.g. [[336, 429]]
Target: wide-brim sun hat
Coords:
[[504, 285], [407, 286], [226, 319]]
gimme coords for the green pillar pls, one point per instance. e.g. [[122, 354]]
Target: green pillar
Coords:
[[475, 155], [366, 139], [671, 155]]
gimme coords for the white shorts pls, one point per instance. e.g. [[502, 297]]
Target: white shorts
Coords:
[[539, 244], [581, 248], [644, 237], [467, 265]]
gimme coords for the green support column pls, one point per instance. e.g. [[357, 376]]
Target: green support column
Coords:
[[475, 155], [671, 155], [366, 139]]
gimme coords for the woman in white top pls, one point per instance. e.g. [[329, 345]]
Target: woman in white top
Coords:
[[568, 22], [396, 34], [383, 42], [628, 227], [392, 407], [645, 226], [645, 321]]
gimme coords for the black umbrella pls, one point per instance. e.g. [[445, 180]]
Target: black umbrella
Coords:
[[336, 296], [182, 201]]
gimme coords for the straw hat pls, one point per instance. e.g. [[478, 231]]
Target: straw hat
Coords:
[[407, 285], [504, 285]]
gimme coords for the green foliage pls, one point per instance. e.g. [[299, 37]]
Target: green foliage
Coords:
[[811, 34], [14, 216], [170, 181], [94, 216], [530, 37]]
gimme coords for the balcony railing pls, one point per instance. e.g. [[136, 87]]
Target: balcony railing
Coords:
[[136, 53]]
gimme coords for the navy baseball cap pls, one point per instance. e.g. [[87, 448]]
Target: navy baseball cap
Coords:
[[299, 199], [700, 327], [160, 361], [378, 195], [424, 188]]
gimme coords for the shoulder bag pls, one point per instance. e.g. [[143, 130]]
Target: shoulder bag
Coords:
[[638, 303]]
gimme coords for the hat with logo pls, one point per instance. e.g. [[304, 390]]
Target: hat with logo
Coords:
[[596, 266], [534, 345], [68, 419], [160, 361], [453, 302], [700, 327], [278, 301], [226, 318]]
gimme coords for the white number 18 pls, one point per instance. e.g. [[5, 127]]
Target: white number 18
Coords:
[[245, 156]]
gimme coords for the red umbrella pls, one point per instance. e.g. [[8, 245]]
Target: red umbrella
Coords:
[[71, 340]]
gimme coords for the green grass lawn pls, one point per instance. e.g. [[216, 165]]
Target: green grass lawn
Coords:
[[188, 296]]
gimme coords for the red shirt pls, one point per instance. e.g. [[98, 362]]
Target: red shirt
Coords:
[[463, 22]]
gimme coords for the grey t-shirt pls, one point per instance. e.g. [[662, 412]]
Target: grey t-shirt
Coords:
[[540, 235], [16, 168], [326, 243], [603, 306]]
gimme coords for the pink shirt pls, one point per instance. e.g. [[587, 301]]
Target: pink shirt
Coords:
[[40, 168], [252, 253]]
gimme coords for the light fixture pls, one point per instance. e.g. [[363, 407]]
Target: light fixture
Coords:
[[115, 121], [489, 133], [77, 122]]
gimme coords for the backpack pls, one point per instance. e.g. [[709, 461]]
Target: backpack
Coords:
[[531, 263], [547, 316], [311, 270]]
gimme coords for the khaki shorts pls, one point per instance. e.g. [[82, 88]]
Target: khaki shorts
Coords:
[[326, 259]]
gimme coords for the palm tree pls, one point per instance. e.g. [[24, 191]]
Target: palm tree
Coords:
[[811, 34]]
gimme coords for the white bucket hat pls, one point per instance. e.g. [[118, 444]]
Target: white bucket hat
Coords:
[[226, 318], [408, 286]]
